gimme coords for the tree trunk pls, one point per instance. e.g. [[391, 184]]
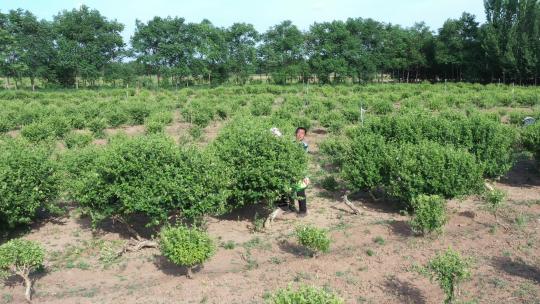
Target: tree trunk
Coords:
[[189, 273], [28, 290]]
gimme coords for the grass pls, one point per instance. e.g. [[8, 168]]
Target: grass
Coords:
[[302, 276], [82, 255], [277, 260], [257, 243], [229, 245], [370, 252], [7, 298], [379, 240]]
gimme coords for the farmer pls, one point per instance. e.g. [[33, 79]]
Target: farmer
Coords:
[[302, 185]]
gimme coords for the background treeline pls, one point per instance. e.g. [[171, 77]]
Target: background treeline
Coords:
[[83, 47]]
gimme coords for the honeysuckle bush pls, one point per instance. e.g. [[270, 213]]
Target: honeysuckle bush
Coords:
[[21, 257], [449, 269], [303, 295], [431, 168], [530, 138], [77, 140], [29, 181], [404, 170], [313, 238], [429, 214], [185, 246], [264, 167], [147, 175], [490, 141]]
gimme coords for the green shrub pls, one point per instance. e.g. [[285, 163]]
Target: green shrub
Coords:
[[304, 295], [495, 200], [186, 246], [261, 107], [117, 117], [21, 257], [329, 183], [363, 161], [59, 125], [154, 126], [530, 139], [381, 107], [97, 125], [430, 168], [196, 132], [38, 131], [28, 181], [138, 112], [148, 175], [5, 124], [490, 141], [77, 140], [313, 238], [429, 214], [198, 113], [265, 166], [404, 170], [449, 269]]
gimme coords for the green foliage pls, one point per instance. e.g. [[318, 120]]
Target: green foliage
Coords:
[[38, 131], [405, 170], [379, 240], [265, 166], [185, 246], [313, 238], [430, 168], [148, 175], [21, 256], [97, 125], [449, 269], [77, 140], [304, 295], [364, 161], [154, 126], [28, 181], [329, 183], [261, 107], [491, 142], [495, 200], [196, 132], [429, 214], [530, 138]]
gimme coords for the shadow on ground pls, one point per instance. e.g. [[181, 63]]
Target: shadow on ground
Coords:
[[518, 268], [524, 173], [163, 264], [405, 291]]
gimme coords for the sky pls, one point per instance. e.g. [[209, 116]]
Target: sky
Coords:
[[262, 14]]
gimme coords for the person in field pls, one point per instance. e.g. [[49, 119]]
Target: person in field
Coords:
[[286, 202], [302, 185]]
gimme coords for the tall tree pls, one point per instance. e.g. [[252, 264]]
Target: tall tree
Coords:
[[32, 52], [86, 42], [327, 46], [282, 51], [457, 48], [241, 41]]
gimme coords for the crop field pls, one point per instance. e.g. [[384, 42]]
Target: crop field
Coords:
[[419, 193]]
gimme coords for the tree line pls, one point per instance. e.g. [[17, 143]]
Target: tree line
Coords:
[[82, 45]]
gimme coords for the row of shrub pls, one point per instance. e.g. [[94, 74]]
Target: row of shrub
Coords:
[[416, 154], [150, 175]]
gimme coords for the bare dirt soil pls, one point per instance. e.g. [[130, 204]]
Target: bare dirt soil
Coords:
[[81, 267]]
